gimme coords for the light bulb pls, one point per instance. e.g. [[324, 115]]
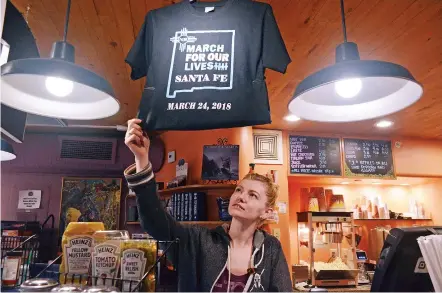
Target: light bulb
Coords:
[[384, 124], [348, 88], [292, 118], [58, 86]]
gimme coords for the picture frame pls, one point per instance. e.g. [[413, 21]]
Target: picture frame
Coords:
[[90, 200], [220, 162], [267, 147]]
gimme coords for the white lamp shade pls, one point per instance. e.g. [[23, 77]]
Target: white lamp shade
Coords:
[[378, 89], [6, 152], [24, 87], [5, 156]]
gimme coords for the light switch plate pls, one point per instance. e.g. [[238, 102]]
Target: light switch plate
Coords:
[[277, 233], [171, 157]]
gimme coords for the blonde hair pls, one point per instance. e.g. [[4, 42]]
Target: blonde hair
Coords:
[[272, 189]]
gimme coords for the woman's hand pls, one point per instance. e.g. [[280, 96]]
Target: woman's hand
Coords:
[[138, 143]]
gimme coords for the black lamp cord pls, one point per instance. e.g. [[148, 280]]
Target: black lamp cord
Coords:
[[344, 27], [66, 22]]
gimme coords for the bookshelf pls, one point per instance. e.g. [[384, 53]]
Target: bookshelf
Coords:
[[212, 191], [203, 223]]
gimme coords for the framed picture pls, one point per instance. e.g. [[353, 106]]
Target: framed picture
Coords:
[[220, 162], [90, 200], [267, 147]]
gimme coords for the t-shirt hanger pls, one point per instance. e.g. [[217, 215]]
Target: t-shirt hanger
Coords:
[[209, 2]]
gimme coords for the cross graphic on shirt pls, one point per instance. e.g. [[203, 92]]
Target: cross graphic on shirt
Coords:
[[182, 38]]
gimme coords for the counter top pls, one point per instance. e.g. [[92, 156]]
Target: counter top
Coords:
[[360, 288]]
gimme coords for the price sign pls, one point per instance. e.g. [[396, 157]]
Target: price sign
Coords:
[[315, 155], [368, 158]]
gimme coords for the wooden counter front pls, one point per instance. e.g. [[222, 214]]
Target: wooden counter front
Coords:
[[360, 288]]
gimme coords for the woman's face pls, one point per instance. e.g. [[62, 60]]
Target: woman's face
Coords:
[[249, 201]]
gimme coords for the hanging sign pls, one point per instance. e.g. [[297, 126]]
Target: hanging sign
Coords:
[[368, 158], [29, 199]]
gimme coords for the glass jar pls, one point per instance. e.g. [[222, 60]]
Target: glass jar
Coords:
[[106, 255], [137, 256]]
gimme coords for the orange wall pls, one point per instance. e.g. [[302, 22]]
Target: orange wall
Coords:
[[282, 180], [189, 146], [412, 157], [418, 157], [396, 197], [431, 195]]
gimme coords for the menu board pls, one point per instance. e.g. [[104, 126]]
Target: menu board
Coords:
[[368, 158], [311, 155]]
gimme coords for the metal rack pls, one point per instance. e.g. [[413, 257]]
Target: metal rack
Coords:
[[170, 252], [27, 246]]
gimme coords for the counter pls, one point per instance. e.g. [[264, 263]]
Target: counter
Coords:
[[360, 288]]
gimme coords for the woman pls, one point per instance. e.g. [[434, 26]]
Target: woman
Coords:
[[235, 258]]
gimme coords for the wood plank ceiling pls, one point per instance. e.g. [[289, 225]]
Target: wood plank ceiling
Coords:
[[407, 32]]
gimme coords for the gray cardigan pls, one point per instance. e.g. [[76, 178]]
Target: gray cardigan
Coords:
[[203, 252]]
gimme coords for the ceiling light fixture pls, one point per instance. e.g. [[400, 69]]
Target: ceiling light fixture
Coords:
[[405, 184], [7, 152], [384, 124], [345, 182], [354, 89], [376, 183], [57, 87], [292, 118]]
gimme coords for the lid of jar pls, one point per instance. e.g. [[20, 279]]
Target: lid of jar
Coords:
[[42, 283], [149, 241], [98, 289], [66, 288], [112, 234]]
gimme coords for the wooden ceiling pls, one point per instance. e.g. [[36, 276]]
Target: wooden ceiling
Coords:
[[407, 32]]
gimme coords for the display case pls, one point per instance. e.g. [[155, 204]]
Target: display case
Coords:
[[327, 246]]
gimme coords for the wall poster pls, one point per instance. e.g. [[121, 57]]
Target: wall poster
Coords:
[[220, 162], [90, 200]]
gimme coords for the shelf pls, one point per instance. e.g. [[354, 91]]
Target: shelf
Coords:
[[322, 216], [203, 222], [132, 223], [189, 223], [197, 187]]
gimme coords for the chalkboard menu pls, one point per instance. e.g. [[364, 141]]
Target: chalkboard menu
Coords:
[[311, 155], [368, 158]]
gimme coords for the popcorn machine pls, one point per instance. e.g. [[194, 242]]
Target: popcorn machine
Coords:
[[327, 246]]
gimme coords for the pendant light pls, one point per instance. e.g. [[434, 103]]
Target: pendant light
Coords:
[[7, 152], [354, 89], [57, 87]]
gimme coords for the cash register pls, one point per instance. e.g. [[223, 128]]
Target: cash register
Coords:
[[401, 267]]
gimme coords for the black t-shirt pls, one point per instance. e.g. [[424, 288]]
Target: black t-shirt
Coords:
[[205, 63]]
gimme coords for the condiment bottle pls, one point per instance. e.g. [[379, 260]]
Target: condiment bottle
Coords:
[[11, 267]]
